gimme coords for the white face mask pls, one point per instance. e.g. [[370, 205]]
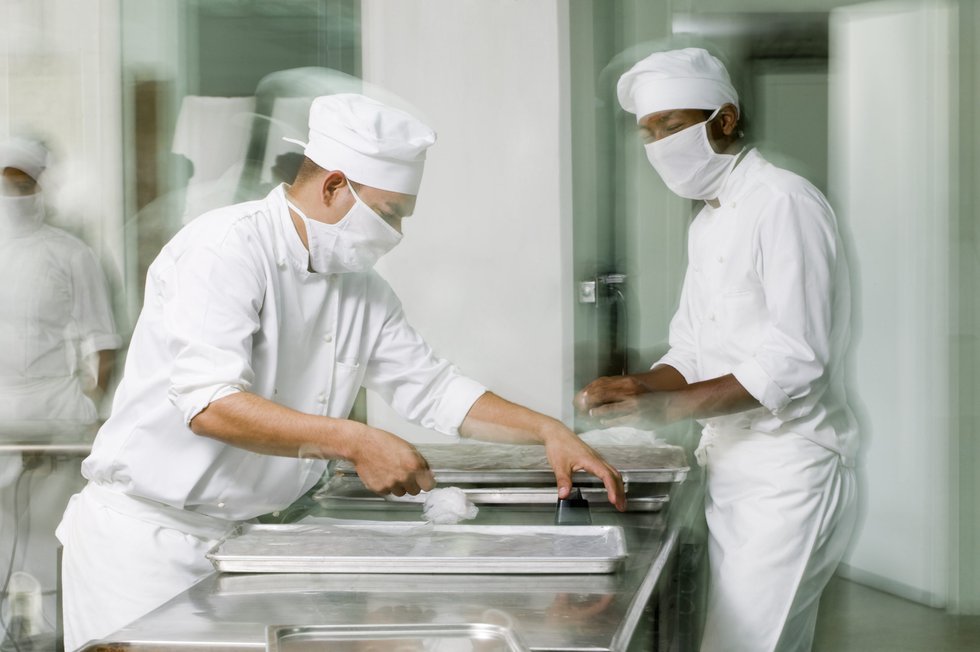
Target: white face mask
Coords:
[[688, 164], [354, 244], [20, 215]]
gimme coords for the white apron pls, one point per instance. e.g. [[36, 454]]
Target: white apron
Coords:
[[780, 510], [125, 556]]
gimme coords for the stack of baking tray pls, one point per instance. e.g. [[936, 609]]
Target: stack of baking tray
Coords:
[[517, 475]]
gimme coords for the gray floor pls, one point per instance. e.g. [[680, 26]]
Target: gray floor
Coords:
[[855, 618]]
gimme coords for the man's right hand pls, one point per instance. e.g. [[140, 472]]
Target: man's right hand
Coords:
[[388, 464]]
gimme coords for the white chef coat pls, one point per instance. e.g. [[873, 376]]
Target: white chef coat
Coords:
[[55, 315], [766, 297], [54, 312], [231, 306]]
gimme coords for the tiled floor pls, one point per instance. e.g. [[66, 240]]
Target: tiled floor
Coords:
[[855, 618]]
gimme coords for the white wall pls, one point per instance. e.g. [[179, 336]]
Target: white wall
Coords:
[[890, 102], [484, 269]]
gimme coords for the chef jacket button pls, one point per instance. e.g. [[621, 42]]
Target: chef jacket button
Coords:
[[711, 316], [328, 338], [721, 259], [221, 504], [321, 398]]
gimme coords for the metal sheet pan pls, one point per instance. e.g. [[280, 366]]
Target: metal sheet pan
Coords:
[[348, 490], [403, 547], [480, 463], [267, 584], [348, 638]]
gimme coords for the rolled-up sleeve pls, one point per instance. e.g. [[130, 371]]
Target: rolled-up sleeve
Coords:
[[796, 260], [420, 386], [212, 295]]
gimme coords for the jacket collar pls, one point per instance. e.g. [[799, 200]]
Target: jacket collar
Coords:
[[750, 161]]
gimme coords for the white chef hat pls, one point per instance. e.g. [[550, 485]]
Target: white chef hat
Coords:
[[25, 154], [371, 143], [690, 78]]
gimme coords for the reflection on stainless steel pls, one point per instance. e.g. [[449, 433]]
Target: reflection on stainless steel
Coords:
[[388, 547], [476, 637]]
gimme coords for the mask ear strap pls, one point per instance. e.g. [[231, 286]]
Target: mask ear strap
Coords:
[[297, 210]]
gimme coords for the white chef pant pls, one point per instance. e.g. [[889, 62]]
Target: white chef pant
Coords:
[[780, 511], [124, 557]]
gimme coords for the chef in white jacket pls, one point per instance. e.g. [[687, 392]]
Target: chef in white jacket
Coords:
[[261, 321], [57, 345], [756, 354]]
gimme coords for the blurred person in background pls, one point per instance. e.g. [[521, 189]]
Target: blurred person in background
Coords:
[[261, 322], [57, 334], [756, 354], [57, 347]]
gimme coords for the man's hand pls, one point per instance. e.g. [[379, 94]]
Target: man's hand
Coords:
[[387, 464], [497, 420], [624, 400], [608, 390], [567, 454]]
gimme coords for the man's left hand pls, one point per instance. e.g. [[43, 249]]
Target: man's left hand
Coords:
[[567, 454]]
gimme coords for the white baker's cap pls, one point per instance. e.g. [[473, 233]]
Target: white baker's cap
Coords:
[[690, 78], [25, 154], [371, 143]]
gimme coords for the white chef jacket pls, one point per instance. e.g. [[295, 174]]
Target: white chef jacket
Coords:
[[54, 312], [231, 306], [766, 297]]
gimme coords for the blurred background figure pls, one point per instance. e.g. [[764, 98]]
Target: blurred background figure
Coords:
[[57, 333], [57, 348]]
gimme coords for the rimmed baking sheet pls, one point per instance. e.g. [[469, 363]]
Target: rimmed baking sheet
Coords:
[[393, 638], [481, 463], [348, 490], [400, 547]]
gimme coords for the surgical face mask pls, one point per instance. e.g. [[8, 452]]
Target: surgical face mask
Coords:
[[354, 244], [688, 164], [20, 215]]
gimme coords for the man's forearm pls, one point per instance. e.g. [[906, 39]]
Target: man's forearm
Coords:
[[259, 425], [495, 419], [662, 378], [710, 398]]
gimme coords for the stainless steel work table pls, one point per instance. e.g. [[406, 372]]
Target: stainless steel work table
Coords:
[[548, 612]]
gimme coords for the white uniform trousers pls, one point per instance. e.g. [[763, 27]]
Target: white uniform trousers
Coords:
[[780, 511], [125, 556]]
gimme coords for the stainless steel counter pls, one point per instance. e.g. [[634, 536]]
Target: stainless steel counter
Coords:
[[548, 612]]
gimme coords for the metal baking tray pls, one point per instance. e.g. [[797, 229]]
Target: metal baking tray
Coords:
[[266, 584], [395, 638], [345, 489], [480, 463], [410, 547]]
